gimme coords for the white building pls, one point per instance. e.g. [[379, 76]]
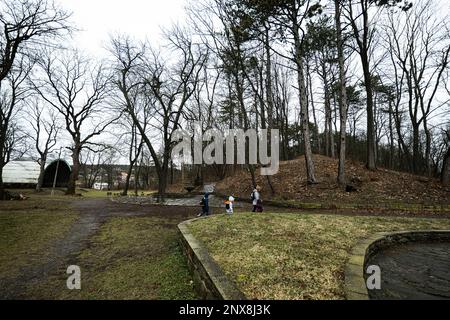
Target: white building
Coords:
[[26, 173]]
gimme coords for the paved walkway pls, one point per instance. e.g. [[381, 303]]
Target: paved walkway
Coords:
[[414, 271]]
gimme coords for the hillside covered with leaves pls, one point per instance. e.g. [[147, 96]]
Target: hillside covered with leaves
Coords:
[[371, 186]]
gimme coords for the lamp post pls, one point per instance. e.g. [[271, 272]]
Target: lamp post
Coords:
[[56, 172]]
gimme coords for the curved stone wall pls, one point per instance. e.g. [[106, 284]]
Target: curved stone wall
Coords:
[[209, 280]]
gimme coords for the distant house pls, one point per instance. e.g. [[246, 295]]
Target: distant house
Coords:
[[25, 173], [101, 186]]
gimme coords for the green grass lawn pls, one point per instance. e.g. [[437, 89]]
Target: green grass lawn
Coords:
[[85, 193], [28, 228], [293, 256], [130, 258], [127, 258], [91, 193]]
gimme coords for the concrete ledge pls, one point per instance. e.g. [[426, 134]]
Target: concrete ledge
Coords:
[[361, 254], [209, 280]]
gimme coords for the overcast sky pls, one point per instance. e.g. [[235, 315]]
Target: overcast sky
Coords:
[[139, 18]]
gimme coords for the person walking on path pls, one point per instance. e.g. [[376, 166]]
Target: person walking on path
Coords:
[[229, 205], [205, 205], [256, 198]]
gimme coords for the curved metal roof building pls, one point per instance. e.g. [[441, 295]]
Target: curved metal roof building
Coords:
[[26, 172]]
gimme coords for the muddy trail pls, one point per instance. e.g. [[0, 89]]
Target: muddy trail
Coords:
[[93, 213]]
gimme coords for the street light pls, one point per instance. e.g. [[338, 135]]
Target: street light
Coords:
[[56, 172]]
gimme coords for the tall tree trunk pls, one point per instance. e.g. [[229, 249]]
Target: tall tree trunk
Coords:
[[2, 164], [375, 116], [41, 174], [71, 186], [161, 187], [164, 173], [343, 93], [402, 147], [371, 161], [137, 172], [445, 176], [416, 151], [269, 98], [329, 147], [427, 147], [362, 37], [303, 97], [127, 181], [391, 138], [2, 185], [311, 99], [171, 172], [269, 86]]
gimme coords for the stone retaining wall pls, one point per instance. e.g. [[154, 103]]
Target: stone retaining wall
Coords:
[[355, 283], [209, 280]]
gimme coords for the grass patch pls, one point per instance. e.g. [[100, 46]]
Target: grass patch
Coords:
[[59, 193], [27, 229], [91, 193], [293, 256], [129, 258]]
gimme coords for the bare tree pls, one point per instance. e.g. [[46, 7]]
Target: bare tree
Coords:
[[445, 175], [13, 91], [136, 143], [166, 89], [27, 22], [22, 25], [289, 18], [297, 12], [77, 89], [93, 162], [44, 133], [419, 46], [343, 93], [357, 13]]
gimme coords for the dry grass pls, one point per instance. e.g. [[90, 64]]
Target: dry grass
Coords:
[[293, 256], [133, 258], [128, 258], [28, 228]]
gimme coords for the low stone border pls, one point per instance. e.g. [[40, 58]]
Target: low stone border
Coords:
[[355, 283], [209, 280]]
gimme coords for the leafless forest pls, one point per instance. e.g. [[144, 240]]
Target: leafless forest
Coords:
[[367, 80]]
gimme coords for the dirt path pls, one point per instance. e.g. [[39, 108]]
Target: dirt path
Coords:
[[93, 213]]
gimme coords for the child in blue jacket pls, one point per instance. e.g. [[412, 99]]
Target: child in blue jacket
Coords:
[[205, 205]]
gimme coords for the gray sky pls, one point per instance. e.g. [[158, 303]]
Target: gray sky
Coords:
[[139, 18]]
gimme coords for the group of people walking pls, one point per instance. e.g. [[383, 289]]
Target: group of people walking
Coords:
[[229, 203]]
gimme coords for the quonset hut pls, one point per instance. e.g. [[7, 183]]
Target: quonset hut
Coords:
[[25, 174]]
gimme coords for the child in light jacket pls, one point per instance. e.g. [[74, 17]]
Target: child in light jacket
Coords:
[[229, 205]]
